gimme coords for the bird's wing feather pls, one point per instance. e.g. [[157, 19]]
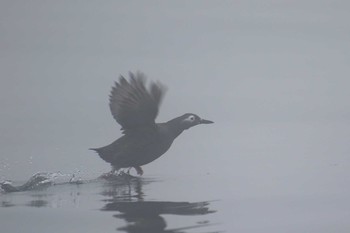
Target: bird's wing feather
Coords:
[[132, 104]]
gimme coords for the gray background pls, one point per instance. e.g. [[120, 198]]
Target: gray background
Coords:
[[273, 75]]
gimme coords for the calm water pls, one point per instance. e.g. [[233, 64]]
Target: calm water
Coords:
[[166, 204], [122, 204]]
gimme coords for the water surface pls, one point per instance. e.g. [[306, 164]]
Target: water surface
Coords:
[[122, 204], [167, 204]]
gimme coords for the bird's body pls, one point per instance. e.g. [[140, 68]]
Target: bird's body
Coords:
[[151, 143], [135, 108]]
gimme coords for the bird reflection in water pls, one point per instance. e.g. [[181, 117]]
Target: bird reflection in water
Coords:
[[125, 196]]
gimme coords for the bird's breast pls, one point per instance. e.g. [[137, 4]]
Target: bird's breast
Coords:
[[156, 149]]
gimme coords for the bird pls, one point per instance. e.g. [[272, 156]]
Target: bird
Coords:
[[135, 106]]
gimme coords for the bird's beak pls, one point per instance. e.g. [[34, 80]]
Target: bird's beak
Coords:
[[203, 121]]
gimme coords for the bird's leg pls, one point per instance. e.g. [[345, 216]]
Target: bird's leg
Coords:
[[121, 172], [107, 175], [139, 170], [114, 171]]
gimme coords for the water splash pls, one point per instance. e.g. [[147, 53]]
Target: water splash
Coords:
[[41, 180]]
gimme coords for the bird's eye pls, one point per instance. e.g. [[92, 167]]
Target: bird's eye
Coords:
[[192, 118]]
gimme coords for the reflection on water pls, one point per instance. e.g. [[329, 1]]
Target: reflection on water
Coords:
[[6, 204], [126, 197], [37, 203]]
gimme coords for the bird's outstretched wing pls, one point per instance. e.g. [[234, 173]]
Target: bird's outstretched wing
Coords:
[[132, 104]]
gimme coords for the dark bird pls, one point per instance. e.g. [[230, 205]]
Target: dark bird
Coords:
[[135, 107]]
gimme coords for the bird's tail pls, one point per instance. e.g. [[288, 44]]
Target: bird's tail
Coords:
[[94, 149], [103, 154]]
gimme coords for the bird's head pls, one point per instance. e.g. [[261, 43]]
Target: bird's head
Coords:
[[189, 120]]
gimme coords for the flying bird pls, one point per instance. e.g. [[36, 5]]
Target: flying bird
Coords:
[[135, 107]]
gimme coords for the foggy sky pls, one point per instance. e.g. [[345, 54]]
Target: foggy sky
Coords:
[[273, 75]]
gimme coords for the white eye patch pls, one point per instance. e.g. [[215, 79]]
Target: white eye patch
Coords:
[[190, 118]]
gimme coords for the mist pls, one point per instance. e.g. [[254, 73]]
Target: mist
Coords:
[[272, 75]]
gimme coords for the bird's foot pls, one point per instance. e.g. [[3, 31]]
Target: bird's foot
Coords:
[[139, 170], [111, 174]]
